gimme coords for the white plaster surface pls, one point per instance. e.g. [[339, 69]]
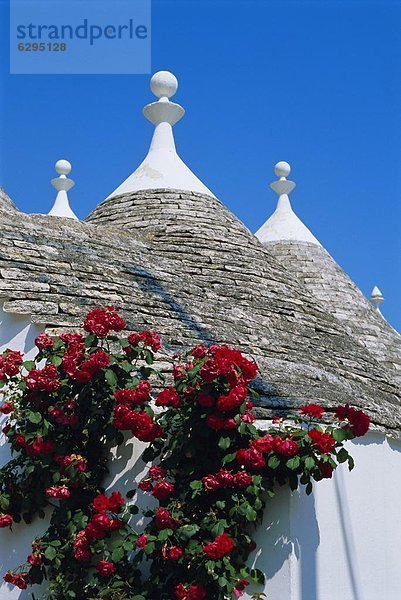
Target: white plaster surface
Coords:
[[342, 542], [162, 168], [285, 225]]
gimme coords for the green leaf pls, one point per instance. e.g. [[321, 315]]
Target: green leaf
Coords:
[[351, 463], [111, 378], [228, 458], [273, 462], [117, 555], [34, 417], [224, 443], [339, 435], [50, 553], [250, 513], [195, 485], [29, 364], [310, 462], [149, 548], [187, 531], [130, 493], [342, 455], [293, 463], [164, 534]]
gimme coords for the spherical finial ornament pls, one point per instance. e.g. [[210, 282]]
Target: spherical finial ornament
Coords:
[[63, 167], [164, 84], [282, 169]]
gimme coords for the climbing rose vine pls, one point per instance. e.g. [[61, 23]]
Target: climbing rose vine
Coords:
[[210, 471]]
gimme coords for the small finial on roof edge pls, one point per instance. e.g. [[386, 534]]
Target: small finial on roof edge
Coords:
[[283, 185], [164, 85], [376, 298], [62, 183]]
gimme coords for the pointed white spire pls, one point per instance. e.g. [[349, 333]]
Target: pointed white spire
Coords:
[[162, 167], [284, 223], [376, 298], [61, 206]]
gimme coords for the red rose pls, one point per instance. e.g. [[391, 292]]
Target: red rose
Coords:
[[359, 422], [5, 520], [251, 458], [341, 412], [204, 400], [83, 554], [191, 592], [242, 480], [156, 472], [326, 469], [285, 447], [20, 440], [101, 321], [98, 526], [18, 579], [215, 422], [312, 410], [106, 568], [163, 519], [323, 441], [162, 490], [44, 342], [6, 408], [168, 397], [148, 338], [263, 444], [174, 553], [35, 559], [199, 351], [58, 492], [145, 485], [115, 502], [101, 503], [222, 545], [224, 478], [229, 424], [141, 541], [210, 483], [241, 585]]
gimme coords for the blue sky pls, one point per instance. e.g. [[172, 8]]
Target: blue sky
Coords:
[[313, 83]]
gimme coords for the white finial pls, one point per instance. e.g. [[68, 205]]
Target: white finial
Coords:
[[284, 225], [283, 185], [376, 298], [282, 169], [162, 168], [164, 84], [61, 206], [63, 167]]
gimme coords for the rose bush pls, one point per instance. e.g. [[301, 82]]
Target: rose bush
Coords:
[[211, 470]]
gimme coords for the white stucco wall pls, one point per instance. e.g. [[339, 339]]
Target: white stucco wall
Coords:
[[340, 543]]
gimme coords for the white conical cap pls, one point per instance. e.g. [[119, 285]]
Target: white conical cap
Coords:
[[162, 167], [61, 206], [376, 297], [284, 223]]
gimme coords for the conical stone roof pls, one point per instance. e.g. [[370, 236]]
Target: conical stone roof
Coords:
[[295, 247], [193, 278], [5, 201]]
